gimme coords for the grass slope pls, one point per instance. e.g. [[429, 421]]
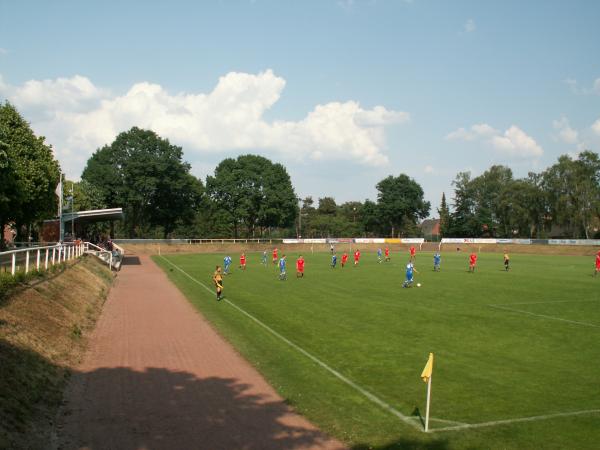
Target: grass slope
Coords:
[[491, 363], [44, 320]]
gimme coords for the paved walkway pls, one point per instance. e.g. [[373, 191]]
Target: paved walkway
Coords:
[[157, 376]]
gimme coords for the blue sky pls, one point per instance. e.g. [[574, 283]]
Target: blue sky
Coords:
[[343, 93]]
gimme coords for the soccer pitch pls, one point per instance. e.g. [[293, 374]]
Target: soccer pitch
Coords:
[[517, 354]]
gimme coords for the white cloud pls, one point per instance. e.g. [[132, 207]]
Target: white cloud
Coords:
[[596, 86], [346, 4], [429, 169], [77, 117], [576, 89], [565, 132], [3, 51], [514, 142], [572, 83], [47, 97], [475, 132], [596, 127], [469, 26]]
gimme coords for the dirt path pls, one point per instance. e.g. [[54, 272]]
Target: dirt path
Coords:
[[157, 376]]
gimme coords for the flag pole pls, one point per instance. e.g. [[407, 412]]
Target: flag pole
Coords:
[[61, 231], [428, 401]]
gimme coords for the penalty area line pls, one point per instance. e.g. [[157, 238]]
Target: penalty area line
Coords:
[[374, 399], [544, 316], [547, 302]]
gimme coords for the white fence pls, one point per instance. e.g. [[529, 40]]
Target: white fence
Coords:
[[38, 258], [588, 242]]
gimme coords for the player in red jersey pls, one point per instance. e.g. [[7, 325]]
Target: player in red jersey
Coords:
[[243, 261], [344, 259], [413, 253], [275, 255], [472, 261], [300, 267], [597, 263], [356, 257], [387, 254]]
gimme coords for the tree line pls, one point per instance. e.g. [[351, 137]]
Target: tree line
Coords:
[[563, 200], [247, 196], [250, 196]]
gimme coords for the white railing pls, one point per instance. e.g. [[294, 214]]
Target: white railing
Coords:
[[41, 257], [100, 250]]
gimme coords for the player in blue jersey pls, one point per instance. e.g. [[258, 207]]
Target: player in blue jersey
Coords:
[[410, 271], [333, 261], [282, 273], [263, 261], [437, 259], [379, 255], [226, 264]]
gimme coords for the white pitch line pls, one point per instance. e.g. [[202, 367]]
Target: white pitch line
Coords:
[[407, 419], [521, 419], [548, 302], [586, 324]]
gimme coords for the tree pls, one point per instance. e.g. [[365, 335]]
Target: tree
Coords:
[[327, 206], [463, 219], [370, 217], [145, 175], [352, 213], [400, 203], [86, 196], [28, 173], [8, 185], [254, 193], [487, 188], [518, 205], [476, 202], [444, 213], [573, 191]]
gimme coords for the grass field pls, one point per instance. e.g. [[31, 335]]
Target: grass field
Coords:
[[517, 354]]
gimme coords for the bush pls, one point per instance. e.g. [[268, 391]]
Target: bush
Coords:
[[7, 282]]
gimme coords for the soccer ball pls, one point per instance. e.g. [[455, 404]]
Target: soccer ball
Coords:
[[418, 284]]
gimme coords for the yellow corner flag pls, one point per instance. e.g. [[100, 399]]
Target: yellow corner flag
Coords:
[[426, 374]]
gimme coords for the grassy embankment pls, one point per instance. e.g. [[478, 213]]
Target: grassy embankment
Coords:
[[44, 319]]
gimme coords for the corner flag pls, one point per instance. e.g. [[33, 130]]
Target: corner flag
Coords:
[[426, 374]]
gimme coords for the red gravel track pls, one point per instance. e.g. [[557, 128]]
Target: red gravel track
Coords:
[[157, 376]]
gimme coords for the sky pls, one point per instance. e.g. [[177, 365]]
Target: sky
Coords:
[[342, 92]]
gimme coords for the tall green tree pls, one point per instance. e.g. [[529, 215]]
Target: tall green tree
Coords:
[[28, 173], [444, 212], [401, 204], [464, 222], [371, 219], [573, 190], [145, 174], [254, 194], [8, 186]]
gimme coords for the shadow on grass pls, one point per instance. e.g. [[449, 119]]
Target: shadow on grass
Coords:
[[408, 444], [417, 413], [31, 390]]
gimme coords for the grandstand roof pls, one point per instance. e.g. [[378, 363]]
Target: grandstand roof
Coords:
[[94, 215]]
